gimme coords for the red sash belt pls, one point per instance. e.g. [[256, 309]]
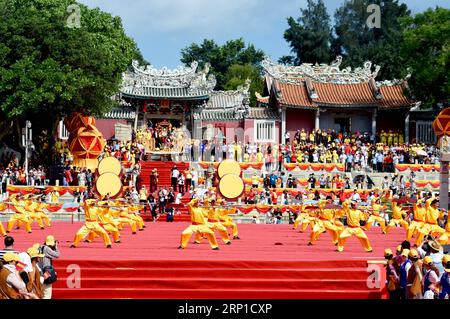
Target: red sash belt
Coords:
[[213, 220], [354, 226], [196, 223]]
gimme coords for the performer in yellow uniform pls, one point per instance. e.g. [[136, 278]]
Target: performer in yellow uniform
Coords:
[[444, 239], [226, 220], [106, 221], [39, 210], [431, 221], [91, 225], [397, 218], [124, 216], [375, 216], [354, 217], [32, 208], [307, 217], [198, 226], [21, 215], [418, 223], [325, 222], [212, 221]]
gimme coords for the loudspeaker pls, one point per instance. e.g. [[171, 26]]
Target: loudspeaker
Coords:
[[56, 172]]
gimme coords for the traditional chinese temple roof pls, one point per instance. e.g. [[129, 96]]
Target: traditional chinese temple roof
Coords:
[[182, 83], [311, 86], [227, 105]]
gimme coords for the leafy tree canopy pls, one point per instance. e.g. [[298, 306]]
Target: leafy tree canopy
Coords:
[[309, 36], [221, 58], [426, 50], [49, 70]]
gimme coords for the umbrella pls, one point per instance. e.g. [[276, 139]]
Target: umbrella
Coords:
[[421, 153]]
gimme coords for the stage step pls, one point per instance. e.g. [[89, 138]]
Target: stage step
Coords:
[[162, 273], [164, 171], [148, 293]]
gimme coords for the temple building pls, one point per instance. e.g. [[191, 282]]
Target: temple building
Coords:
[[306, 97], [325, 97]]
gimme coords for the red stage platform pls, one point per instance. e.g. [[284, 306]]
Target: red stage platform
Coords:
[[269, 262]]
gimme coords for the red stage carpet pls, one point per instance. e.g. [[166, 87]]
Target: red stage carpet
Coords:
[[270, 261]]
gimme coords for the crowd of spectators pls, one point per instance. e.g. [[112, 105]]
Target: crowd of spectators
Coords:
[[29, 274]]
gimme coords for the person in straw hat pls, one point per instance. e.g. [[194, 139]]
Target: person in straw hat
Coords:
[[430, 279], [11, 284], [392, 276], [444, 283]]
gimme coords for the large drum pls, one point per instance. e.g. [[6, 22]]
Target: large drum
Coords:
[[231, 186], [109, 165], [108, 184], [228, 167]]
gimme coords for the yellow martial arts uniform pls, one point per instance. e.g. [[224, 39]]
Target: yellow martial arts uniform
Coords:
[[444, 239], [325, 222], [419, 221], [213, 222], [134, 215], [91, 225], [198, 226], [227, 221], [305, 218], [375, 216], [21, 215], [106, 221], [123, 216], [354, 217], [39, 210], [431, 223], [397, 218]]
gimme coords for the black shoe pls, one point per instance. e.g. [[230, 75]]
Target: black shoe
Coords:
[[236, 237], [144, 226], [217, 248], [369, 251], [109, 246], [42, 228], [180, 247], [73, 246], [87, 241], [7, 231], [134, 233], [141, 229], [117, 242], [310, 244], [228, 243], [29, 232]]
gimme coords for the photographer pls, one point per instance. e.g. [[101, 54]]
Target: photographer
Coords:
[[433, 249], [50, 250]]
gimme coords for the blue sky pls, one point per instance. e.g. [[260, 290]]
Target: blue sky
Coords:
[[162, 28]]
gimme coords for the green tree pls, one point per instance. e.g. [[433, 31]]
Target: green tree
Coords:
[[358, 43], [426, 50], [49, 70], [237, 74], [309, 36], [221, 58]]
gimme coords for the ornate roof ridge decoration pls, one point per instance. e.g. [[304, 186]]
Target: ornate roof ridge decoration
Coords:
[[321, 73], [392, 82], [135, 81], [164, 71]]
